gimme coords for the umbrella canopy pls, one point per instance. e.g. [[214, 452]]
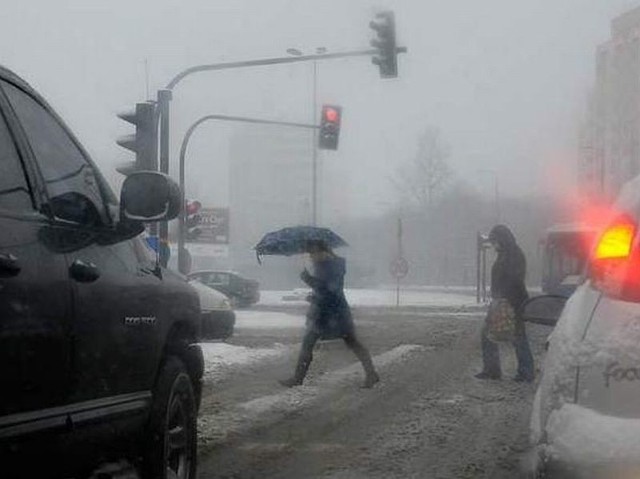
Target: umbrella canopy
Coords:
[[294, 240]]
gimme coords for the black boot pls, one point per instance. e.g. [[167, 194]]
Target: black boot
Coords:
[[301, 371], [371, 380], [291, 382], [371, 376]]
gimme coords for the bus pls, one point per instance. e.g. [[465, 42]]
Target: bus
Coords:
[[566, 249]]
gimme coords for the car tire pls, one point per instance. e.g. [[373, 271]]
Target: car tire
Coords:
[[171, 436]]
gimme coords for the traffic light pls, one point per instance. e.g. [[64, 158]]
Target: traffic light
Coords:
[[144, 143], [330, 127], [387, 55], [193, 219]]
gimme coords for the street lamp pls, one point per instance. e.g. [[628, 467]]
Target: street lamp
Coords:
[[314, 149], [496, 189]]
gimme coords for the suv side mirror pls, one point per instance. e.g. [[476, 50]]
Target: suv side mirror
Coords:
[[545, 310], [149, 196]]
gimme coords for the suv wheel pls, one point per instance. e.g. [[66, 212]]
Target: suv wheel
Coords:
[[172, 439]]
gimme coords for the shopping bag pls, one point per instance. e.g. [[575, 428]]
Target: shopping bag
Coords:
[[501, 321]]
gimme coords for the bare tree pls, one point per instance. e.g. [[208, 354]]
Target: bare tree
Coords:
[[428, 172]]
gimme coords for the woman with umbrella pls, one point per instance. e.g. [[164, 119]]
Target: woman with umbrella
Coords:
[[329, 315]]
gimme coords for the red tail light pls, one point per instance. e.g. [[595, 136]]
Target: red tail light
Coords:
[[615, 242], [614, 266]]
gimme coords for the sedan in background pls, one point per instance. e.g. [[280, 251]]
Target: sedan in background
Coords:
[[241, 291], [217, 316]]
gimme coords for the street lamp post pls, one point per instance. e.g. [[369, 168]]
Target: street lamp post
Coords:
[[314, 147], [496, 191]]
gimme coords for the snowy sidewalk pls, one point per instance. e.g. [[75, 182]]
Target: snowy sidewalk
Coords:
[[378, 297]]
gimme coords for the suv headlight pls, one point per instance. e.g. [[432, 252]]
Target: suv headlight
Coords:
[[225, 305]]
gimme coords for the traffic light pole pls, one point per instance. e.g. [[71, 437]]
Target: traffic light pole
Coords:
[[182, 258], [164, 99], [165, 96], [314, 159]]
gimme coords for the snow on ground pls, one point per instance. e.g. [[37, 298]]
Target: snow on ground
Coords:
[[250, 319], [264, 409], [381, 297], [220, 357], [291, 399], [255, 319]]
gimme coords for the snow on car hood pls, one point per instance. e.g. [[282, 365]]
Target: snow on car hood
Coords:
[[582, 436]]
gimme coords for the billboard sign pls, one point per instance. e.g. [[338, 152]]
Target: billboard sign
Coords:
[[213, 226]]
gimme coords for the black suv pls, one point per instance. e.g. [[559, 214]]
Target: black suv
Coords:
[[98, 360]]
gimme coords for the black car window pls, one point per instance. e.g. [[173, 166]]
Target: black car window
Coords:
[[221, 279], [115, 259], [14, 190], [146, 256], [71, 182], [124, 256]]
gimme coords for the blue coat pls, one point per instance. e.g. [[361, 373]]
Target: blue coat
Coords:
[[329, 314]]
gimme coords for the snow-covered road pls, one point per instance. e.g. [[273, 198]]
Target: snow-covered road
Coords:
[[427, 418]]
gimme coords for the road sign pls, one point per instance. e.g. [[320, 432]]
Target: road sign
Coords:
[[399, 268]]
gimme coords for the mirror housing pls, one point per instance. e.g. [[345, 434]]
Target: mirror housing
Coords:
[[545, 310], [149, 196]]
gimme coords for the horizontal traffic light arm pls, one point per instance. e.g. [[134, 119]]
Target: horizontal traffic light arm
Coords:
[[244, 119], [273, 61]]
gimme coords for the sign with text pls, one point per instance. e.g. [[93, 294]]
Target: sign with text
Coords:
[[213, 225]]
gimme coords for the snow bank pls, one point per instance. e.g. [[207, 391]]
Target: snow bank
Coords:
[[268, 320], [220, 357], [582, 436], [378, 297]]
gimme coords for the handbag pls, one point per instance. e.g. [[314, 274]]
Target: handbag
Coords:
[[501, 321]]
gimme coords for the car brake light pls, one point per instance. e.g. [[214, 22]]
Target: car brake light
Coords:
[[615, 242], [614, 265]]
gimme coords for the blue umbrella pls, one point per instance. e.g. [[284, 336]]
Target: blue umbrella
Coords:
[[295, 239]]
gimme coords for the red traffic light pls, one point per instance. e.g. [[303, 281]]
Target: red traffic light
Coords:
[[331, 114], [330, 127], [193, 207]]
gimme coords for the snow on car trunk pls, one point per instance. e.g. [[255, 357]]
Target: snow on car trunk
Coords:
[[582, 436]]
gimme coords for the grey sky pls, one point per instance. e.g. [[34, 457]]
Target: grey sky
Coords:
[[504, 80]]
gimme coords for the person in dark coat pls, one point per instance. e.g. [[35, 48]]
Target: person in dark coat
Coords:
[[507, 282], [329, 315]]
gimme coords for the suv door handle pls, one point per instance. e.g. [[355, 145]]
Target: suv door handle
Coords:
[[9, 265], [83, 271]]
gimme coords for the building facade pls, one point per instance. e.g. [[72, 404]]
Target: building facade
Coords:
[[610, 139], [270, 188]]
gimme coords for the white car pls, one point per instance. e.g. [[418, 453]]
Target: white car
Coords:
[[586, 413], [218, 317]]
